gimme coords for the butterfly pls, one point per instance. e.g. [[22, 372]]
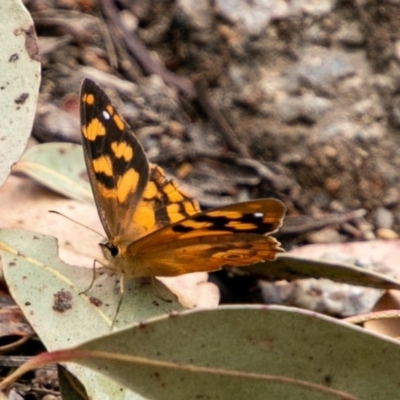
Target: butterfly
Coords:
[[154, 228]]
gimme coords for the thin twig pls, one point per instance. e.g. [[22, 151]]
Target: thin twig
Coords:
[[372, 316], [141, 54], [296, 226], [216, 116]]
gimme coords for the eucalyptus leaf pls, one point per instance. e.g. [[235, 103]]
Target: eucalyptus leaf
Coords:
[[20, 80], [249, 352], [59, 166], [291, 267], [54, 298]]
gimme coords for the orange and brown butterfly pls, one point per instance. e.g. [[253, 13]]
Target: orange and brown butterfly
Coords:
[[153, 227]]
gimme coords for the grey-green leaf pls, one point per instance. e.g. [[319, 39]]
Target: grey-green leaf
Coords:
[[291, 267], [20, 80], [50, 294], [250, 352], [59, 166]]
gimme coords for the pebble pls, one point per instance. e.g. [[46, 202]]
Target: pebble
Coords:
[[350, 34], [386, 234], [320, 70], [326, 236], [321, 295], [308, 107], [383, 218]]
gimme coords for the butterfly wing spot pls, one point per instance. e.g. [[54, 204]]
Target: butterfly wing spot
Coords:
[[190, 225], [127, 184], [241, 226], [151, 191], [172, 192], [122, 150], [94, 129], [88, 98], [236, 254], [178, 211], [144, 217], [103, 165], [199, 233], [110, 109], [106, 115], [224, 214], [119, 122], [190, 207]]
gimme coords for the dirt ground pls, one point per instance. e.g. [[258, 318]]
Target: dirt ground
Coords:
[[240, 100]]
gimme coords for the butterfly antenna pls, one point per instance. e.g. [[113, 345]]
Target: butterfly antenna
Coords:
[[76, 222]]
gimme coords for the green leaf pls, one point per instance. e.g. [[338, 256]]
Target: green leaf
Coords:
[[59, 166], [248, 352], [291, 267], [20, 77], [49, 293]]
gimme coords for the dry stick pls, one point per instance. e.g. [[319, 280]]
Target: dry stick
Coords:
[[141, 54], [108, 42], [372, 316], [139, 51], [296, 226], [277, 181], [128, 64], [215, 115]]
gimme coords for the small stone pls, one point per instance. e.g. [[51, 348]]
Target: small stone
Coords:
[[350, 34], [307, 107], [317, 8], [253, 16], [391, 197], [383, 218], [129, 21], [197, 12], [321, 295], [321, 70], [386, 234], [332, 184], [325, 236]]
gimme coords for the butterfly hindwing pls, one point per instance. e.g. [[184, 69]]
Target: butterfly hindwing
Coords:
[[227, 236], [165, 201]]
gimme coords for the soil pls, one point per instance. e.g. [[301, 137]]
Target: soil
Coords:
[[307, 91]]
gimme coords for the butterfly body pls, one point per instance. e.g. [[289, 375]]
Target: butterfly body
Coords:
[[153, 227]]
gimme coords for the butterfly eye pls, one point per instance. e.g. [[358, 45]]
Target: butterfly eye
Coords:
[[114, 250], [109, 250]]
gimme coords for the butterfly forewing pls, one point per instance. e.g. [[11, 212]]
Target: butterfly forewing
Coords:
[[133, 197], [116, 163]]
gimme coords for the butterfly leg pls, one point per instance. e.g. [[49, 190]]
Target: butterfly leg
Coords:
[[121, 289], [93, 279]]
